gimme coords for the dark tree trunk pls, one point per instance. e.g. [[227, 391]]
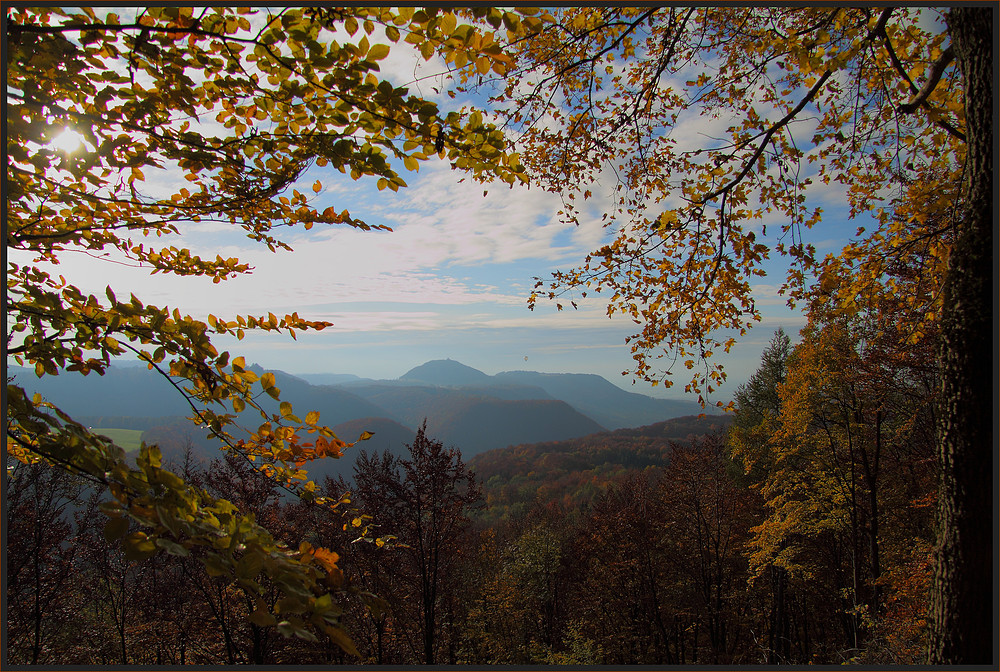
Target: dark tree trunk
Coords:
[[428, 630], [962, 617]]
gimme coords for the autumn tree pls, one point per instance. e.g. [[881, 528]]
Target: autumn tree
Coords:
[[242, 611], [494, 624], [39, 557], [240, 103], [420, 504], [842, 465], [757, 407], [708, 511], [619, 577], [113, 587], [892, 106]]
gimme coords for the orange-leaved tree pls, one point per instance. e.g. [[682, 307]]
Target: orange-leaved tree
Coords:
[[890, 105], [240, 103]]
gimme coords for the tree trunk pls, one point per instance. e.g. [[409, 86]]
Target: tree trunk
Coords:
[[962, 618], [429, 631]]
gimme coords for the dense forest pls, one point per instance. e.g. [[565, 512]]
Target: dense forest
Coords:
[[844, 515], [797, 531]]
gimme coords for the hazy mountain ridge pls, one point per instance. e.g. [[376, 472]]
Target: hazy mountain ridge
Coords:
[[483, 424], [601, 399], [463, 406], [590, 394], [329, 378]]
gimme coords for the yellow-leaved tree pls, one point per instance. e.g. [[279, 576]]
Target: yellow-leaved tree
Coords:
[[892, 106], [240, 102]]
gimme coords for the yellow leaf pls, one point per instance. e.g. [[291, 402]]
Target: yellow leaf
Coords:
[[378, 52]]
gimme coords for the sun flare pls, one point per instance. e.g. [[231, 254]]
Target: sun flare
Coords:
[[68, 141]]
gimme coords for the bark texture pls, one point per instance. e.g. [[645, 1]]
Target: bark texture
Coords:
[[963, 623]]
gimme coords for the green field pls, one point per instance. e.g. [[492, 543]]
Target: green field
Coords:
[[129, 439]]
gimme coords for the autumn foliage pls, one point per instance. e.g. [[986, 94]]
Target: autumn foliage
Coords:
[[841, 519], [239, 104]]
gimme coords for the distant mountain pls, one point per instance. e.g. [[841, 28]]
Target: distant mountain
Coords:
[[506, 391], [124, 421], [477, 425], [446, 372], [475, 418], [387, 435], [464, 407], [411, 402], [329, 378], [136, 392], [122, 390], [600, 399], [174, 435], [592, 395], [335, 404]]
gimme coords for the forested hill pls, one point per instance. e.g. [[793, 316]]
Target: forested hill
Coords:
[[573, 471]]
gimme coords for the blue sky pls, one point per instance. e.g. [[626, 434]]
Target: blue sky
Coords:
[[451, 280]]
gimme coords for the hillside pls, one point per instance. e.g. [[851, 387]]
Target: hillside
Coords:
[[387, 435], [575, 470], [477, 425], [600, 399], [133, 391], [137, 392], [174, 434], [328, 378], [412, 402], [335, 404], [596, 397]]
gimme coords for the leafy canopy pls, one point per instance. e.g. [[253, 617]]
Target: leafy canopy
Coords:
[[862, 100], [239, 103]]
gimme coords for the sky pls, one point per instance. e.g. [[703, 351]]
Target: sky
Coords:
[[450, 281]]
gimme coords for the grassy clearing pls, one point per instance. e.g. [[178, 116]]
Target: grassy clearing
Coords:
[[128, 439]]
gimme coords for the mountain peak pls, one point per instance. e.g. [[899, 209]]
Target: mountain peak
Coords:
[[445, 372]]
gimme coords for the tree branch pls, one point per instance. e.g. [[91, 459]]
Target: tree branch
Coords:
[[784, 121], [937, 69]]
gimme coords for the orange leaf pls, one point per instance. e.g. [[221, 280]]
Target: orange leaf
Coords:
[[326, 557]]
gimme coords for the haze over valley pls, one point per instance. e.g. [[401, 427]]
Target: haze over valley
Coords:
[[463, 407]]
